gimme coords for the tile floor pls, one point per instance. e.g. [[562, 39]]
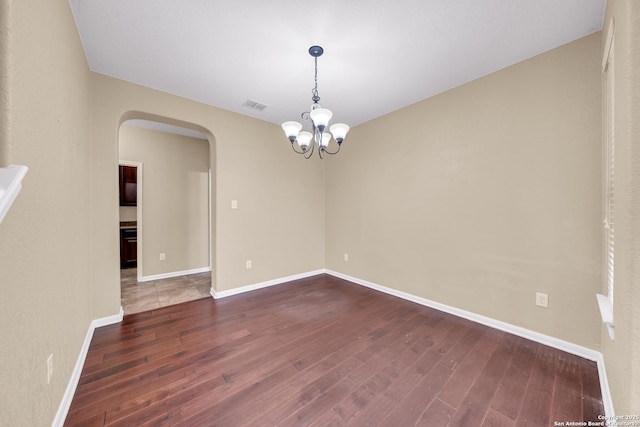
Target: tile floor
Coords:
[[143, 296]]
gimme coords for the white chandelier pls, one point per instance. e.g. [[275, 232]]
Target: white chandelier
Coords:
[[319, 121]]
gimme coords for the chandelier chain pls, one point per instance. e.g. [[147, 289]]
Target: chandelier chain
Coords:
[[315, 98]]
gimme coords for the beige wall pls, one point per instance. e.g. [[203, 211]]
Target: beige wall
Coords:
[[279, 223], [175, 199], [483, 195], [45, 250], [622, 356]]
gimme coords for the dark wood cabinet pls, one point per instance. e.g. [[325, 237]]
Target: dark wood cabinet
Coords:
[[128, 247], [128, 186]]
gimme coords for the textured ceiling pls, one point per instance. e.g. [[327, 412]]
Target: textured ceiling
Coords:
[[380, 55]]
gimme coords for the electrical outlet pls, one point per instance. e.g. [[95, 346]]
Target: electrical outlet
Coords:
[[234, 204], [163, 256], [249, 264], [49, 368], [346, 257], [542, 300]]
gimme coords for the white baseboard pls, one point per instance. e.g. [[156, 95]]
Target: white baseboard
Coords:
[[569, 347], [607, 401], [248, 288], [65, 404], [174, 274]]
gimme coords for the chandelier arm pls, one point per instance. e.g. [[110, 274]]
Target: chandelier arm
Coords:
[[309, 151], [293, 147], [333, 152]]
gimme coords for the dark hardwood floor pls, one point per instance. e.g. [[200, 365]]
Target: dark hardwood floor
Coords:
[[324, 352]]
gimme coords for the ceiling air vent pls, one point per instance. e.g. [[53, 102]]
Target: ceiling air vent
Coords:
[[254, 105]]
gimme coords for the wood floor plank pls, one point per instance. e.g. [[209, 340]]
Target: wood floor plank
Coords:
[[322, 351], [298, 393], [592, 405], [143, 399], [510, 395], [203, 411], [539, 392], [497, 419], [566, 404], [475, 405], [408, 376], [85, 419], [150, 347], [437, 413], [407, 386], [374, 358], [303, 388], [409, 409], [370, 393], [463, 377], [434, 369], [312, 345], [459, 352], [329, 419], [96, 402]]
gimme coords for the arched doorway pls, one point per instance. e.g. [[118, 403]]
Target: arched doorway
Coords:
[[169, 226]]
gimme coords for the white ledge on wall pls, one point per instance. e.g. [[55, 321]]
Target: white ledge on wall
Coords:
[[606, 312], [10, 186]]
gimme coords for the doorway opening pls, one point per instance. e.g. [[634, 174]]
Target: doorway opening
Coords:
[[169, 223], [129, 175]]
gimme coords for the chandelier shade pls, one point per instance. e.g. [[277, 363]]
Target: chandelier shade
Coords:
[[319, 117], [304, 139], [326, 138], [339, 131], [292, 129]]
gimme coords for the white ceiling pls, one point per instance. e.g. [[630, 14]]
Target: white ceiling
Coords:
[[380, 55]]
